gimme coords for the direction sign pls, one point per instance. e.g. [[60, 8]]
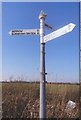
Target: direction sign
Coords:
[[59, 32], [24, 32]]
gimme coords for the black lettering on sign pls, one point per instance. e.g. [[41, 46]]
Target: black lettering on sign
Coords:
[[17, 30]]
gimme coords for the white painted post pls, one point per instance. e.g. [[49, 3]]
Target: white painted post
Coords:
[[42, 68]]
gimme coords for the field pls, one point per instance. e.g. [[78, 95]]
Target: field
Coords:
[[21, 100]]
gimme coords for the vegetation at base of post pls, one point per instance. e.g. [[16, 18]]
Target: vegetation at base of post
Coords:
[[21, 99]]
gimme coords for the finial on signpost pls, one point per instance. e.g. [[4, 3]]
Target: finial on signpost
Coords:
[[42, 15]]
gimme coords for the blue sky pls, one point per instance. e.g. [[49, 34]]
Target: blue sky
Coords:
[[21, 54], [0, 42], [41, 1]]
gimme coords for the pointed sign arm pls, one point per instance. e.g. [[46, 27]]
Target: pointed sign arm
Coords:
[[66, 29], [24, 32]]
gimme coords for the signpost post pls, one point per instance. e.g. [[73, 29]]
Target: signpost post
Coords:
[[43, 39], [42, 17]]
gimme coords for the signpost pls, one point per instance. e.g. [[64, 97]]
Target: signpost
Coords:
[[43, 39]]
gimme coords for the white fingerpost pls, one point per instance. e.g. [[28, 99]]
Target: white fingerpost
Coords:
[[43, 39]]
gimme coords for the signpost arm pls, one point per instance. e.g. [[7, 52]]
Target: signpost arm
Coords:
[[42, 68]]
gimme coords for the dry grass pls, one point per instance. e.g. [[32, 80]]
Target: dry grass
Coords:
[[21, 100]]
